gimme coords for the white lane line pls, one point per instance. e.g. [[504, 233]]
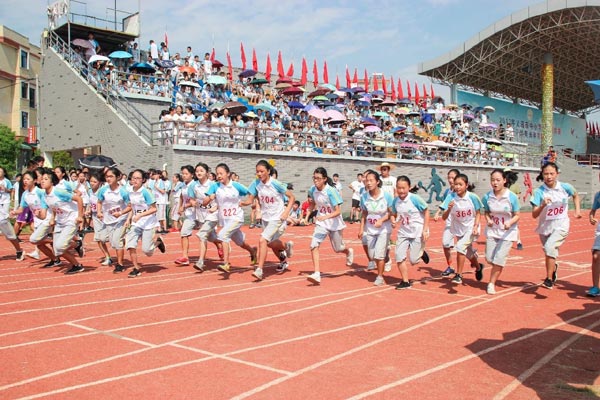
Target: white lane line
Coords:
[[235, 360], [72, 323], [543, 361], [467, 358], [373, 343], [111, 334], [116, 378]]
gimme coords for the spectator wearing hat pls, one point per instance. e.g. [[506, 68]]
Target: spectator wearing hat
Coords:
[[388, 181]]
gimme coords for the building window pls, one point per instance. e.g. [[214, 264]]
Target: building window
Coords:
[[24, 59], [24, 119], [24, 90], [31, 97]]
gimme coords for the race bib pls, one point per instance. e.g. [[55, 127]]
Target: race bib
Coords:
[[556, 211]]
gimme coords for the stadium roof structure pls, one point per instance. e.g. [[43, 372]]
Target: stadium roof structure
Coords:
[[506, 58]]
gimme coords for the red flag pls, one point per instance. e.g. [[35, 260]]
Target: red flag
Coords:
[[424, 91], [280, 65], [243, 55], [229, 66], [416, 93], [303, 77], [431, 92], [315, 74], [408, 90], [166, 39], [290, 72], [337, 82], [254, 60], [393, 88], [366, 81], [384, 86], [268, 70], [212, 55], [325, 72], [375, 84], [347, 77], [400, 91], [355, 78]]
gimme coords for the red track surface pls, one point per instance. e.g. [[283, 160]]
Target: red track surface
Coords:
[[180, 334]]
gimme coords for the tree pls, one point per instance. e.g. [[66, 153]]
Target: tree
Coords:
[[9, 149], [62, 159]]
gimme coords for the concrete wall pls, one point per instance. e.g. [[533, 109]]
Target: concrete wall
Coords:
[[297, 169], [74, 116]]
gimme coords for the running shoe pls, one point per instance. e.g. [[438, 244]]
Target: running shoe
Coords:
[[75, 269], [315, 278], [253, 256], [379, 281], [350, 257], [448, 271], [199, 266], [52, 263], [282, 255], [107, 261], [20, 255], [160, 245], [79, 248], [223, 268], [403, 285], [251, 226], [555, 273], [35, 254], [548, 283], [491, 288], [134, 273], [282, 266], [289, 248], [425, 257], [182, 261], [457, 278], [479, 273], [388, 265], [118, 268], [519, 246], [258, 274], [371, 266], [593, 292]]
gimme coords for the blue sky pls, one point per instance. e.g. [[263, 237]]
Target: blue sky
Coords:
[[386, 36]]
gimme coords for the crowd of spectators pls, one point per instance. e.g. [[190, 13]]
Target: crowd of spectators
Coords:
[[344, 121]]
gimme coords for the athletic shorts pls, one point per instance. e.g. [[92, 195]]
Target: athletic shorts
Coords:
[[273, 230], [496, 251], [377, 245], [552, 242], [335, 237], [413, 246]]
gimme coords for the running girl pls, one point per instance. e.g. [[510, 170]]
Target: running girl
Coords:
[[35, 200], [594, 291], [551, 204], [142, 221], [326, 200], [186, 208], [375, 225], [67, 213], [5, 226], [101, 235], [271, 195], [447, 238], [228, 195], [176, 202], [502, 214], [465, 209], [207, 216], [410, 211], [112, 209]]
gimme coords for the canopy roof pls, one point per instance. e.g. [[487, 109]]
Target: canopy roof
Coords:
[[506, 58]]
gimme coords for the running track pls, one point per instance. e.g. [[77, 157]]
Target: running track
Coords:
[[179, 334]]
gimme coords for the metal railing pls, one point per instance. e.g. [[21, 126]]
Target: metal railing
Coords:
[[128, 111], [202, 134]]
